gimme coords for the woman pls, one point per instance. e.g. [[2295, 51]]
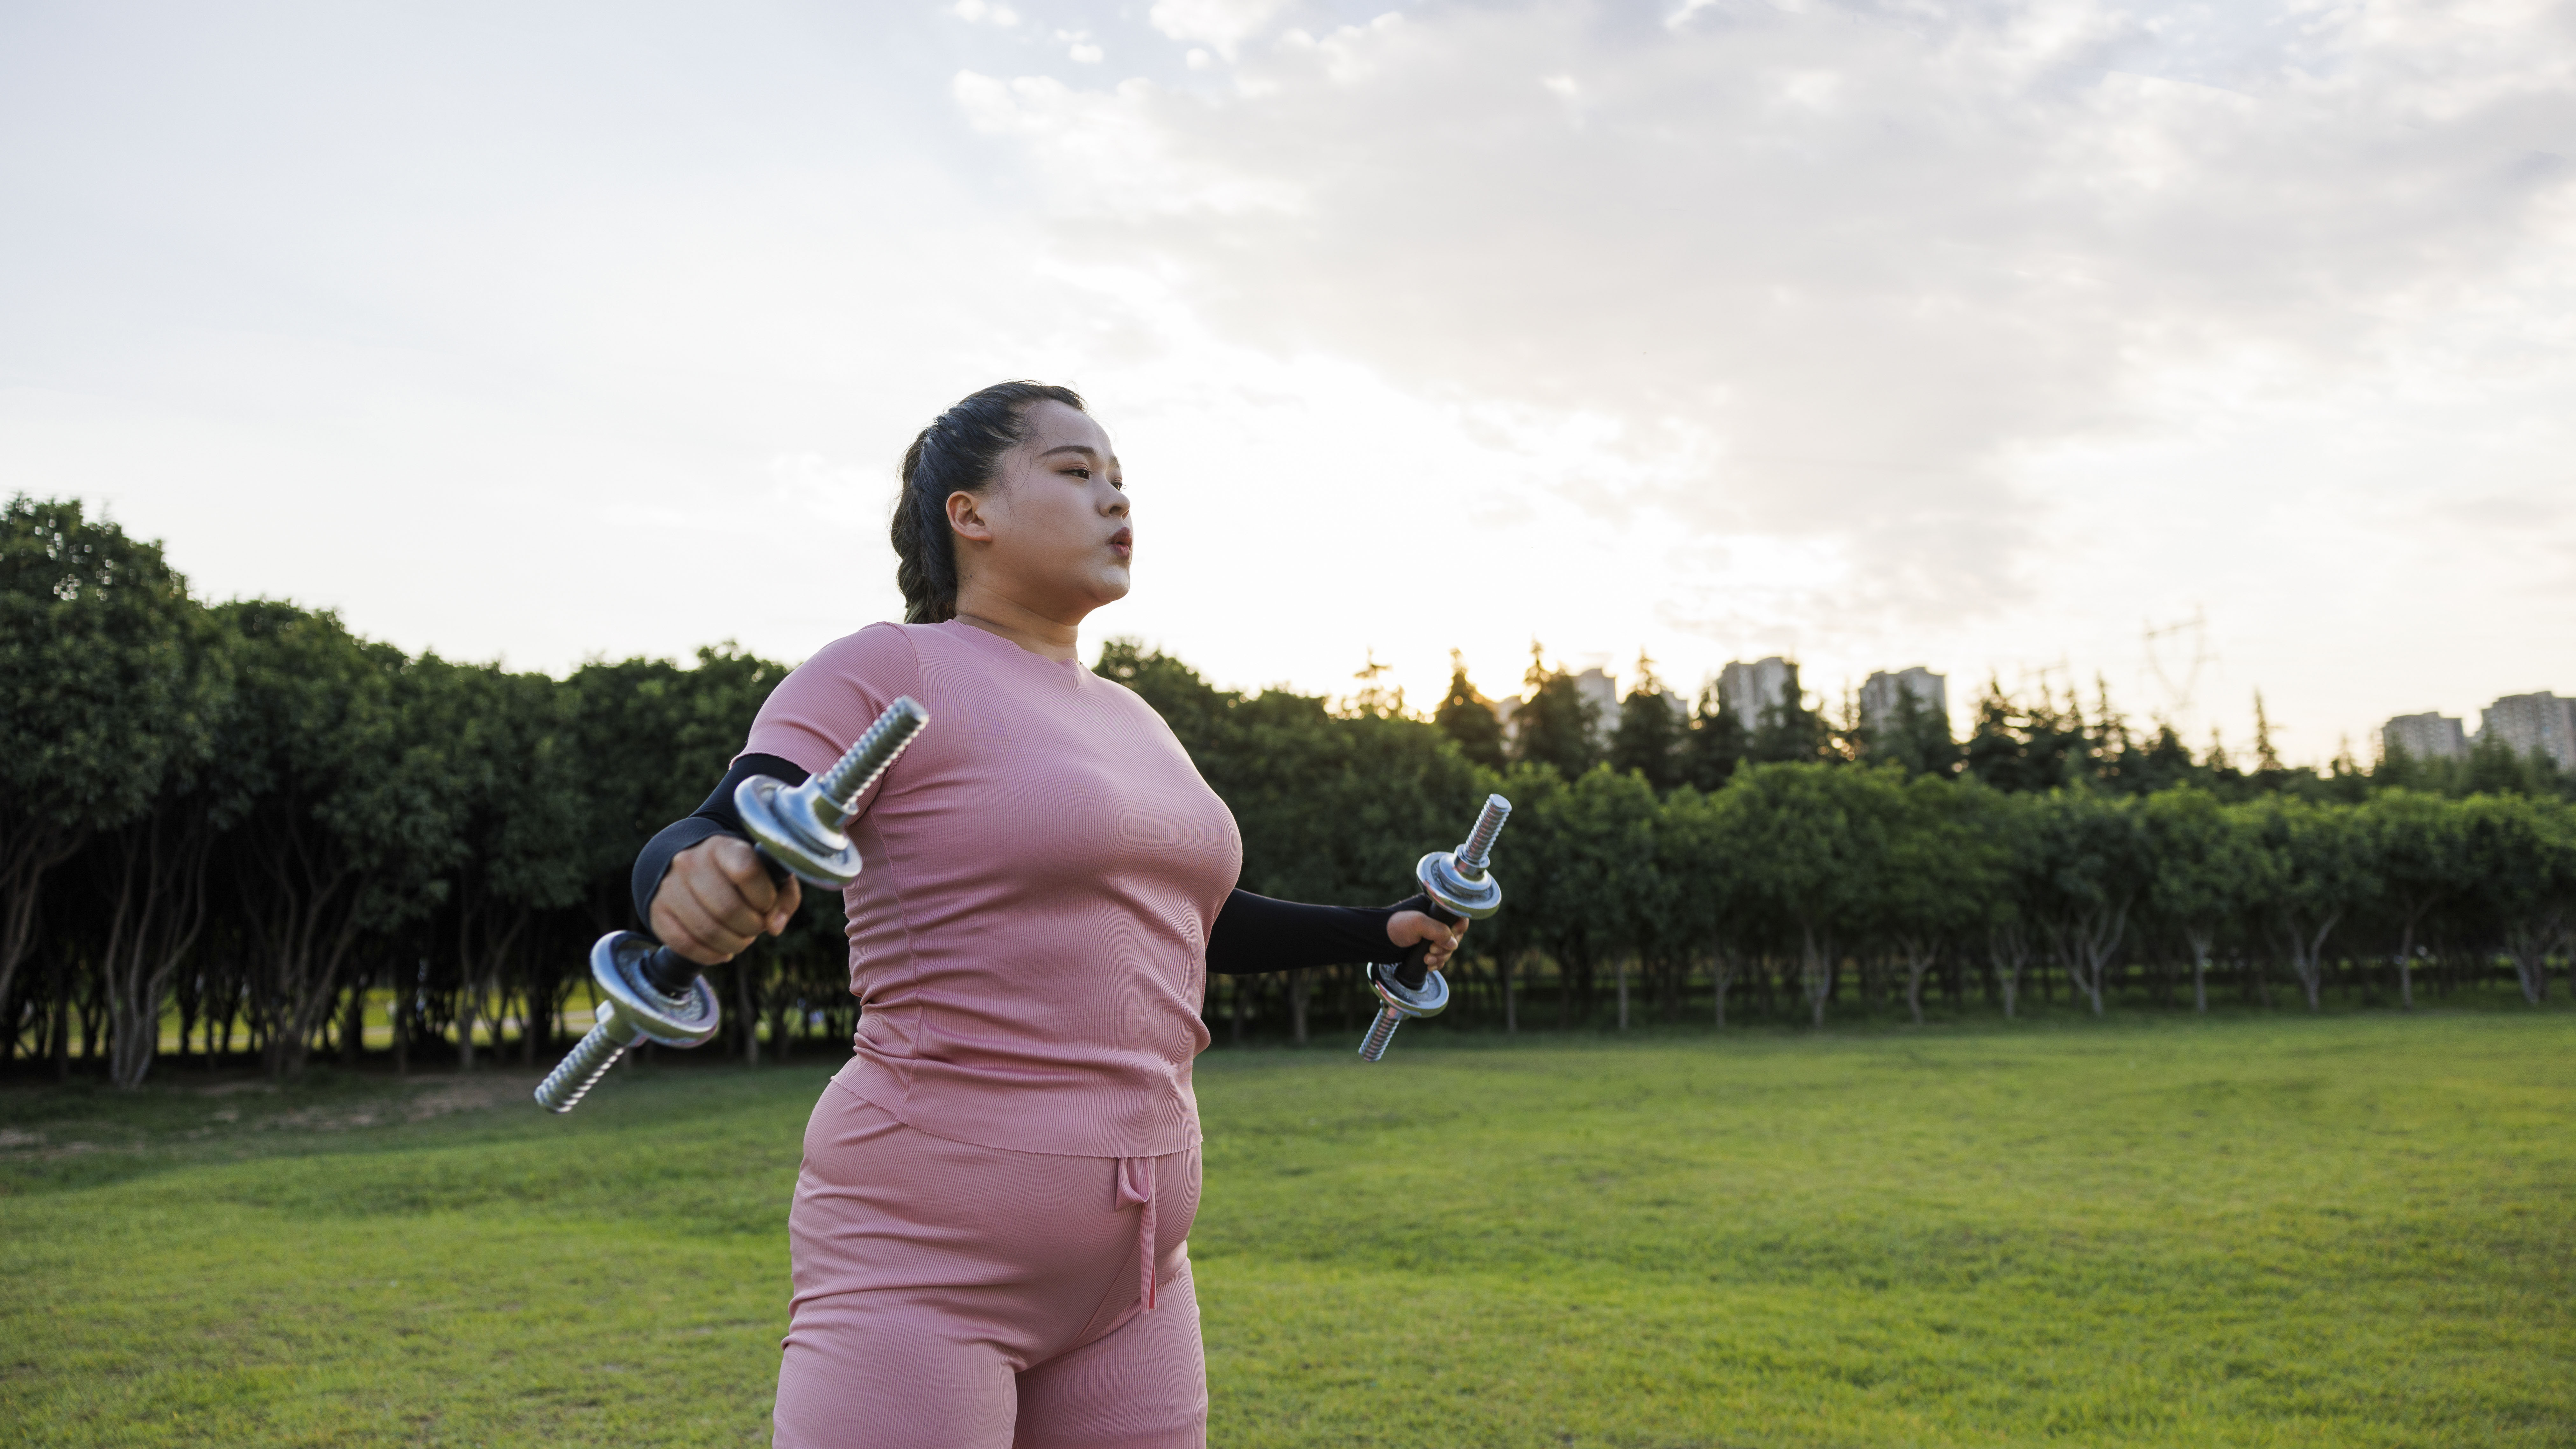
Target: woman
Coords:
[[989, 1227]]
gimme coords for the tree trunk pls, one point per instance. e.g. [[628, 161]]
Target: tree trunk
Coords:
[[467, 1001], [60, 1042], [353, 1021], [2199, 940], [400, 1014], [33, 850], [1300, 986], [1920, 954], [2008, 948], [1511, 993], [1815, 973], [2406, 967], [1621, 971], [778, 1004]]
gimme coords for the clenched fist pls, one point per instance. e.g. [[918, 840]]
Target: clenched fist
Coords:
[[716, 897]]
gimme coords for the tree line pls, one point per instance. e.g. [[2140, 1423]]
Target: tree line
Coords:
[[241, 827]]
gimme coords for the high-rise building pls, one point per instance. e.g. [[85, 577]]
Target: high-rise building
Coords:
[[1879, 698], [2427, 736], [2533, 724], [1752, 688], [1598, 687]]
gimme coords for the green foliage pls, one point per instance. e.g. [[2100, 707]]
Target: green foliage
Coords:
[[2341, 1232], [1791, 731], [1916, 739], [320, 836], [1467, 718], [95, 670], [1648, 737], [1556, 725]]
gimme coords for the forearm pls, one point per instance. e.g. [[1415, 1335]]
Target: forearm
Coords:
[[1255, 933]]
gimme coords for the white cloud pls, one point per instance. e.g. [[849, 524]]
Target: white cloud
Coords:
[[1982, 336], [1905, 287], [1222, 25]]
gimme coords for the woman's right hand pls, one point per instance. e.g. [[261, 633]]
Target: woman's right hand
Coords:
[[716, 897]]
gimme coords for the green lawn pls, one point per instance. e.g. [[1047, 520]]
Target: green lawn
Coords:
[[2359, 1230]]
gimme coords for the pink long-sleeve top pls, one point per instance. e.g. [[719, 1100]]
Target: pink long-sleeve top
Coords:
[[1041, 870]]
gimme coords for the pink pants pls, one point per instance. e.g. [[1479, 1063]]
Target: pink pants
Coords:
[[959, 1297]]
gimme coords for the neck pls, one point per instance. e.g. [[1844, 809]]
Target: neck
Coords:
[[1038, 633]]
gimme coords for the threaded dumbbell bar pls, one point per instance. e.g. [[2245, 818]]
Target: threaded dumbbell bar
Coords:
[[1460, 889], [650, 992]]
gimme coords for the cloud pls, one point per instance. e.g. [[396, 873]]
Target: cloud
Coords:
[[1222, 25], [1860, 275]]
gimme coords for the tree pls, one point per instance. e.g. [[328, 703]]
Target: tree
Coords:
[[1788, 731], [1915, 737], [98, 695], [2034, 746], [349, 828], [153, 869], [2203, 860], [1702, 865], [1556, 725], [1820, 859], [2013, 904], [2095, 865], [1467, 717], [2313, 871], [1648, 737], [512, 783], [1940, 872], [2521, 854], [2418, 847], [1714, 744], [2268, 770]]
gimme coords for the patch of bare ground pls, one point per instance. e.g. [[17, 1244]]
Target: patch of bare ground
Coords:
[[437, 1097]]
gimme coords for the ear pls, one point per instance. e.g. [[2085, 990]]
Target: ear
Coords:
[[966, 517]]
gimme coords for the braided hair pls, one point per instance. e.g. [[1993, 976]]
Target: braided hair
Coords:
[[957, 453]]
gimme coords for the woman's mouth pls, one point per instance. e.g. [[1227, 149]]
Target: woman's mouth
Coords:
[[1124, 541]]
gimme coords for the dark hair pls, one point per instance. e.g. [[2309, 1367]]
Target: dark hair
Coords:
[[957, 453]]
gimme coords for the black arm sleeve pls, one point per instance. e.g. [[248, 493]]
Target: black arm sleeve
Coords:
[[716, 817], [1255, 933]]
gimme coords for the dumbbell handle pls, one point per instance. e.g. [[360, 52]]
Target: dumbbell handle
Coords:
[[670, 972], [1414, 968]]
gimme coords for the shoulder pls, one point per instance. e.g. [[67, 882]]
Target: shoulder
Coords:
[[826, 701], [879, 653]]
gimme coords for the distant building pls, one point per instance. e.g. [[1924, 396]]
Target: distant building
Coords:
[[1603, 691], [1752, 688], [2427, 736], [2533, 723], [1881, 697]]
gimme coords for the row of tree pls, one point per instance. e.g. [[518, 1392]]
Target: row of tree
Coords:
[[2045, 741], [245, 818]]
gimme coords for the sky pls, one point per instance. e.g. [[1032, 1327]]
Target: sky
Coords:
[[2191, 349]]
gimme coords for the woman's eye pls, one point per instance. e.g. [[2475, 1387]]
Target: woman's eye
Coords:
[[1082, 473]]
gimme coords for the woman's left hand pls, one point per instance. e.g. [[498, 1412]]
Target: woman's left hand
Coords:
[[1404, 928]]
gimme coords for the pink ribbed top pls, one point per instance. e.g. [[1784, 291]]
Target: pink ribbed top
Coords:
[[1043, 866]]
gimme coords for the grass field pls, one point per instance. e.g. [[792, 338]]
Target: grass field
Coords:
[[2348, 1231]]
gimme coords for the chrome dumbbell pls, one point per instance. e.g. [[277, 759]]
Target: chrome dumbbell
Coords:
[[650, 992], [1460, 888]]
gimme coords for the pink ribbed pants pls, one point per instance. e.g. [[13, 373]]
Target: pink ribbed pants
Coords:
[[959, 1297]]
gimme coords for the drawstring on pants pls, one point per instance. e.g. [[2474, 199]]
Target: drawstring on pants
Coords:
[[1136, 1185]]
